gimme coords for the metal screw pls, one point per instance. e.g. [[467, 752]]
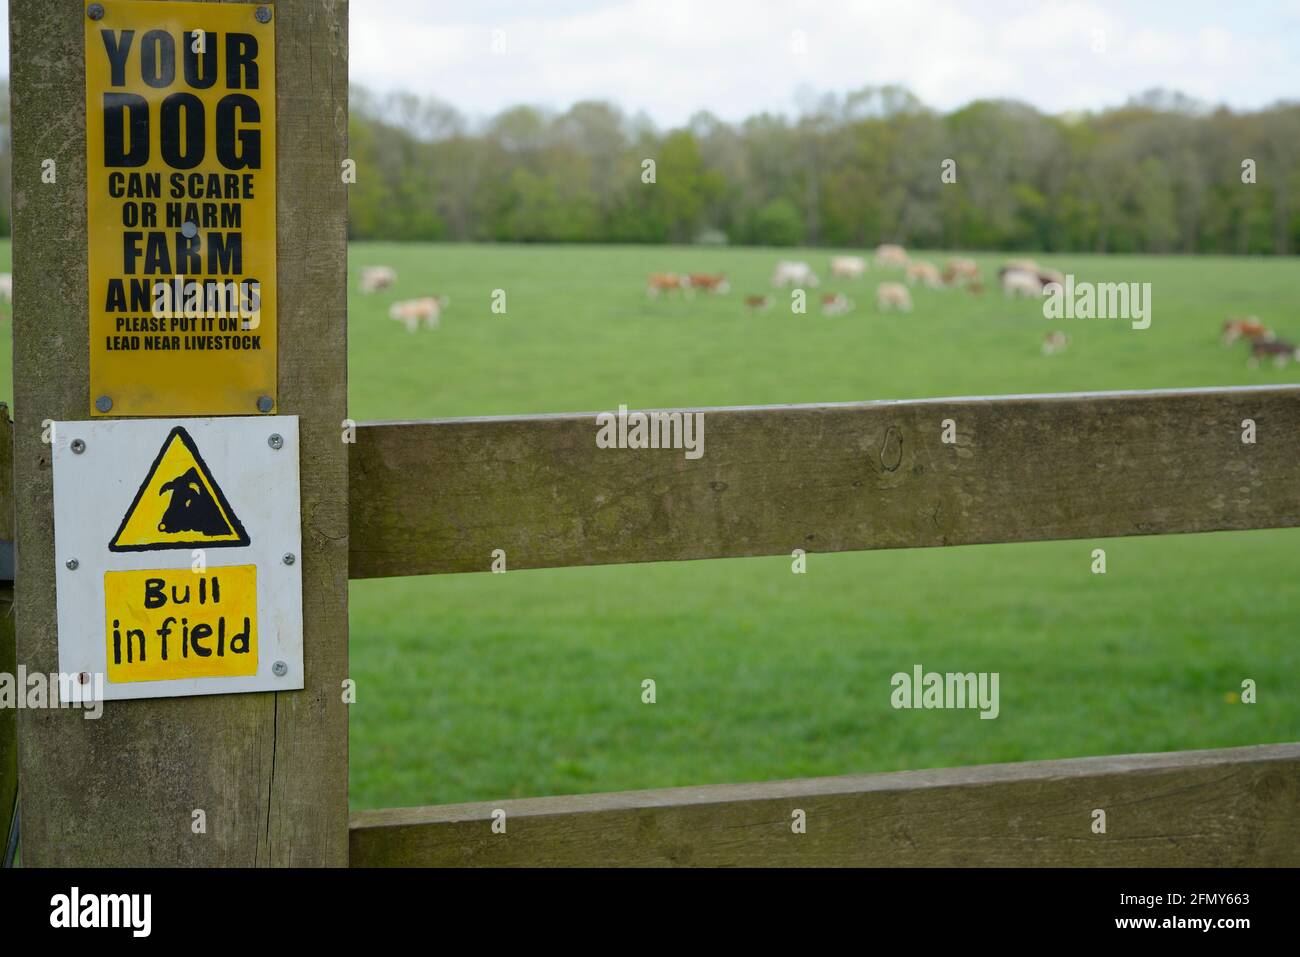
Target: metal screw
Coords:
[[290, 558], [279, 669], [95, 11], [84, 677], [263, 14], [189, 230], [103, 403], [276, 441], [265, 403], [72, 564], [78, 446]]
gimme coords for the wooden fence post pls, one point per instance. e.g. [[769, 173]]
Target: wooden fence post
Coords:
[[269, 770]]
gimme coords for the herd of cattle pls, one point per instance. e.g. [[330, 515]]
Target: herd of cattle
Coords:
[[1016, 278], [1019, 277], [1264, 343]]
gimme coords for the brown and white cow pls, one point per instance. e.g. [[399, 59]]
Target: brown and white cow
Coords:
[[1245, 327], [412, 312], [1281, 352], [377, 278], [1055, 342], [835, 304], [668, 282], [714, 283]]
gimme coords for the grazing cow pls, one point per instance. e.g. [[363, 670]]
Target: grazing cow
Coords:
[[960, 272], [1020, 282], [758, 303], [848, 267], [191, 508], [835, 304], [890, 295], [1245, 327], [1282, 352], [975, 287], [411, 312], [891, 256], [377, 278], [793, 273], [6, 287], [709, 283], [927, 273], [961, 269], [1055, 342], [665, 282], [1051, 277]]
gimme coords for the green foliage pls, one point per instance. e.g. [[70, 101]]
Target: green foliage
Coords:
[[776, 224], [1158, 175]]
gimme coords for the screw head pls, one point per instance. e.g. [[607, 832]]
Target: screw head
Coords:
[[263, 14], [84, 677], [279, 669], [78, 446], [276, 441], [189, 230], [103, 403], [72, 564], [265, 403], [95, 11], [290, 558]]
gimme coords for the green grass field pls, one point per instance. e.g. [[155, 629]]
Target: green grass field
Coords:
[[491, 686]]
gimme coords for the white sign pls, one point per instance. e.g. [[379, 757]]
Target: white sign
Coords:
[[177, 546]]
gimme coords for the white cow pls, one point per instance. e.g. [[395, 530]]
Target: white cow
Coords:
[[376, 278], [6, 287], [893, 295], [793, 273], [848, 267], [891, 255], [412, 311], [927, 273], [1021, 282]]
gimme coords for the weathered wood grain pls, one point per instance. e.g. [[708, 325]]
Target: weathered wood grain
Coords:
[[1225, 808], [435, 497], [269, 770], [8, 648]]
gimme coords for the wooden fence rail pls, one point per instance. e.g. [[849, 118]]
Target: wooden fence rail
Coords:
[[438, 497], [1224, 808]]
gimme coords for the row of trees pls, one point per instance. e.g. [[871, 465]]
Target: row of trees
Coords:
[[1161, 174]]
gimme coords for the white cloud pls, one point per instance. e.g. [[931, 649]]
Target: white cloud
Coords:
[[734, 57]]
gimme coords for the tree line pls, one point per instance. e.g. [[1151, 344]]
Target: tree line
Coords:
[[1161, 174]]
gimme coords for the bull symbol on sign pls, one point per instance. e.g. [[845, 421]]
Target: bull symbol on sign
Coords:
[[191, 508]]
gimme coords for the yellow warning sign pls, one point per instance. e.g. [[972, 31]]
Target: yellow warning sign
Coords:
[[179, 505], [180, 201], [177, 623]]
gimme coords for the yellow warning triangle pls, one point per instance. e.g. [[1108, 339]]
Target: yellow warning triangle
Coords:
[[180, 505]]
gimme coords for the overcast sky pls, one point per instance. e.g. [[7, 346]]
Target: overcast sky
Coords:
[[738, 57]]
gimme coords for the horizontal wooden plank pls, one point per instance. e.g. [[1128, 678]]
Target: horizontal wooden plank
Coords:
[[437, 497], [1225, 808]]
